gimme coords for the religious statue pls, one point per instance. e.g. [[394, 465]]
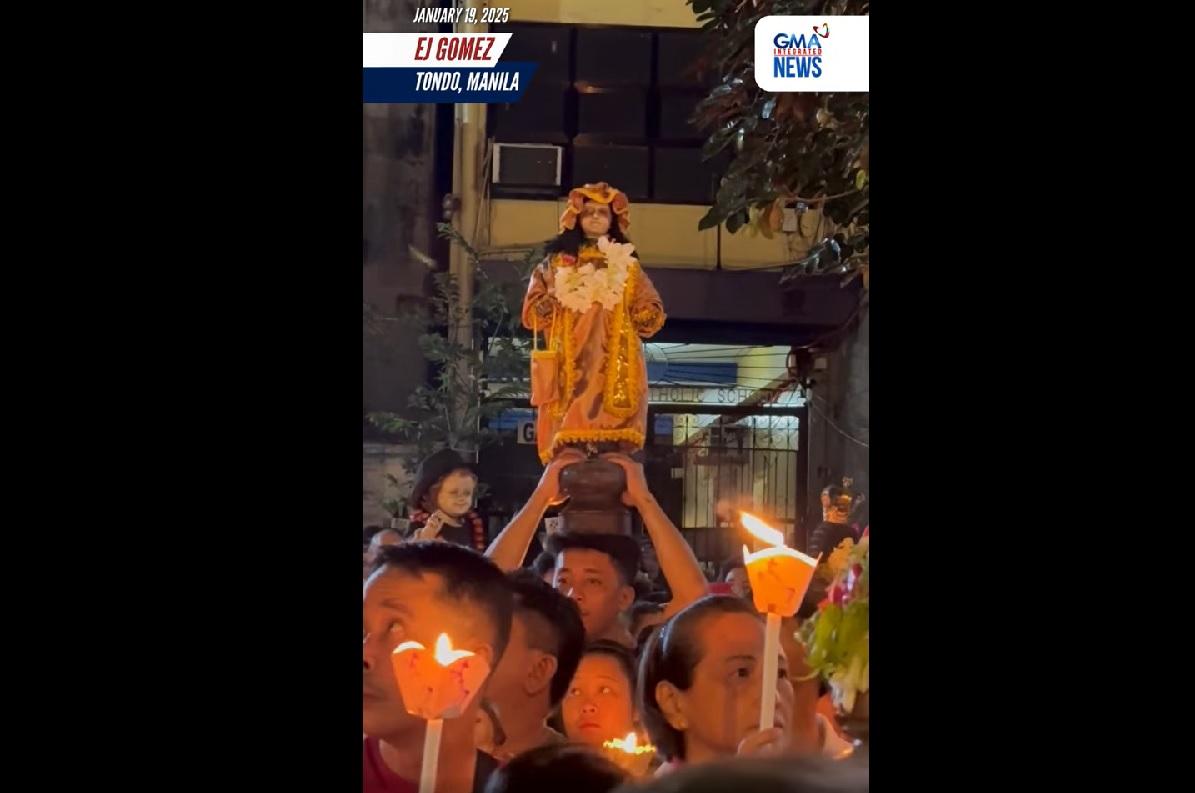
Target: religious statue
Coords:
[[443, 502], [592, 303]]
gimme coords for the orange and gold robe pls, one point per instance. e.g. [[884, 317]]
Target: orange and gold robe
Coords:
[[602, 385]]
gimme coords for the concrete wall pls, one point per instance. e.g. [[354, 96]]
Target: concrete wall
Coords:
[[842, 396], [397, 206]]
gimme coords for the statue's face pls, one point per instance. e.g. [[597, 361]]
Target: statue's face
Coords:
[[595, 219], [455, 496], [839, 511]]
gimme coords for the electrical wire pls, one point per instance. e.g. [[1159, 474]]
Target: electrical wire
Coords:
[[839, 430]]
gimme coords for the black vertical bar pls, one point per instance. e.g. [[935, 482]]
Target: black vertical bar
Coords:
[[802, 475], [788, 472]]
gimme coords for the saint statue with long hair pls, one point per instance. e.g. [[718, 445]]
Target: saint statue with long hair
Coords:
[[589, 304]]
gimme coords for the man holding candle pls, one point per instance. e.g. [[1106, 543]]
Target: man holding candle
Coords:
[[546, 641], [597, 570], [418, 591]]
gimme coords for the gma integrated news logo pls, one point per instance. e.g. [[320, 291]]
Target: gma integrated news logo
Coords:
[[812, 53]]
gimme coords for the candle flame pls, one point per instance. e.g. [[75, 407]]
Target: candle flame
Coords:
[[402, 648], [761, 530], [629, 744], [444, 654]]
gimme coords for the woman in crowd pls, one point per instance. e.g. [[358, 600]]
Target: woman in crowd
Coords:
[[600, 704], [700, 685]]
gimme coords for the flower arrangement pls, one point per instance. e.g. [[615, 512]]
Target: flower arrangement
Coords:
[[577, 287], [837, 638]]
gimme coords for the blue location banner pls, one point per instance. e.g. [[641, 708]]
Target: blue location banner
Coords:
[[500, 83]]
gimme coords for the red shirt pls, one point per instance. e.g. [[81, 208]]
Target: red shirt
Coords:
[[378, 778]]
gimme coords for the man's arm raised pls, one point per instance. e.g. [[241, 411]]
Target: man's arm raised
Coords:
[[510, 546]]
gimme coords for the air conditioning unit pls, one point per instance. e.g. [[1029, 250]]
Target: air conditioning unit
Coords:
[[527, 167]]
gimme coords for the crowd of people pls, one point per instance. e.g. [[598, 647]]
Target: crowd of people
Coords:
[[587, 644]]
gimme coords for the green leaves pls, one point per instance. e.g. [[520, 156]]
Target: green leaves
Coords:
[[820, 644], [452, 408], [718, 141], [799, 146], [837, 638], [737, 220]]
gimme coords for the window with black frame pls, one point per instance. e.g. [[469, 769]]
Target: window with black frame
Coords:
[[606, 104]]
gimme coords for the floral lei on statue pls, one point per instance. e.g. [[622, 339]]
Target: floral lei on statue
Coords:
[[837, 638], [579, 287]]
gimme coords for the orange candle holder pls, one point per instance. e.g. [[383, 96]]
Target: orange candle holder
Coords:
[[780, 576], [438, 684]]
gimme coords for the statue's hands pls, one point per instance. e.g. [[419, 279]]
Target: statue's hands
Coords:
[[431, 529]]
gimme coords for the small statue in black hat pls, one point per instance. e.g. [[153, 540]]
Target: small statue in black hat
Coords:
[[825, 537], [443, 502]]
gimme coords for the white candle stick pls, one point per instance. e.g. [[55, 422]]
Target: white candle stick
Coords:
[[779, 577], [431, 756], [771, 658]]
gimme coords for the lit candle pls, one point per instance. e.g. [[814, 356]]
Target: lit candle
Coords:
[[436, 686], [779, 577], [628, 754]]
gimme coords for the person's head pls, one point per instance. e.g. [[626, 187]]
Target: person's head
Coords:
[[595, 219], [544, 567], [600, 703], [762, 775], [591, 211], [546, 640], [597, 571], [367, 534], [417, 591], [649, 561], [488, 734], [700, 680], [640, 610], [452, 494], [840, 509], [566, 768], [382, 538], [739, 582], [836, 504], [445, 482]]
